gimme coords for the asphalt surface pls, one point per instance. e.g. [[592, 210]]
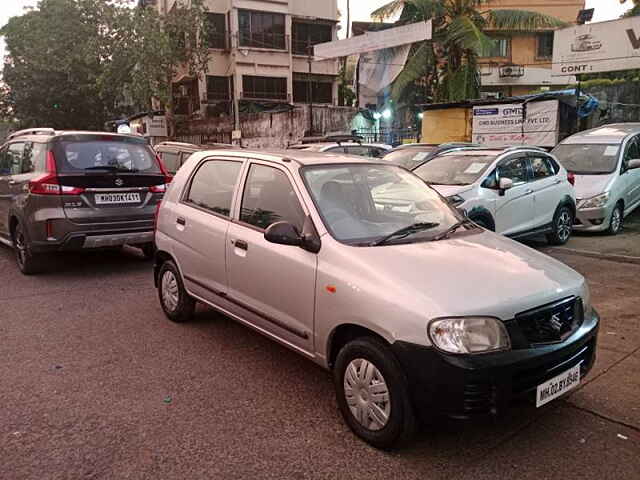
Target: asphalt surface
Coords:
[[95, 383]]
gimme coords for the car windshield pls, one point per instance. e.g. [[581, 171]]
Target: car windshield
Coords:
[[455, 168], [109, 154], [410, 157], [588, 159], [363, 204]]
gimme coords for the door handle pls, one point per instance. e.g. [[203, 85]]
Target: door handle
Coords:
[[242, 245], [12, 182], [181, 221], [528, 192]]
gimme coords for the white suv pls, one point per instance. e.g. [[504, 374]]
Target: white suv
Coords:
[[517, 191]]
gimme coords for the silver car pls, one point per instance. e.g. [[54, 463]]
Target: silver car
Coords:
[[606, 165], [415, 310]]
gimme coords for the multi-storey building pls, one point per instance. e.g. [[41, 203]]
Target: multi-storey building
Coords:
[[259, 52], [520, 63]]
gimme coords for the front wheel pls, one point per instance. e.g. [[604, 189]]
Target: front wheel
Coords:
[[372, 393], [562, 226], [616, 220], [176, 303]]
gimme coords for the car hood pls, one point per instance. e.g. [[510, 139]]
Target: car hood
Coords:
[[588, 186], [471, 273], [449, 190]]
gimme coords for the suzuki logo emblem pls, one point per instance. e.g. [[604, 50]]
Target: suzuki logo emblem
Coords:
[[119, 182], [555, 322]]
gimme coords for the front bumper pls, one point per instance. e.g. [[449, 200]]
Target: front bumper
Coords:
[[463, 386], [592, 219]]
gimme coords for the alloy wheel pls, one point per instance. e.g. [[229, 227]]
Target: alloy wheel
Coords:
[[170, 291], [20, 246], [367, 394], [616, 220], [564, 226]]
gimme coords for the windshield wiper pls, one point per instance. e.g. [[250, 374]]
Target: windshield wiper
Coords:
[[404, 232], [452, 229]]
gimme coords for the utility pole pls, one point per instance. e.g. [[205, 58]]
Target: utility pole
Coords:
[[309, 86]]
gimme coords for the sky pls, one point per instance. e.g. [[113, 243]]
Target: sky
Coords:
[[360, 10]]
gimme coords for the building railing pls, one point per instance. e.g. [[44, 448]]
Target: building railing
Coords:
[[271, 41]]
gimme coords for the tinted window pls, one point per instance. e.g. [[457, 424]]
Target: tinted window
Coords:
[[216, 30], [213, 185], [588, 159], [5, 161], [359, 150], [454, 169], [15, 154], [35, 157], [94, 153], [268, 198], [515, 169], [542, 167], [171, 161], [335, 150]]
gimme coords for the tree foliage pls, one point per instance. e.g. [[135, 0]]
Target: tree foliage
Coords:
[[449, 63], [78, 63]]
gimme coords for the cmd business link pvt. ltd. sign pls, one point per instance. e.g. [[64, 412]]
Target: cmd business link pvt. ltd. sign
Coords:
[[597, 47]]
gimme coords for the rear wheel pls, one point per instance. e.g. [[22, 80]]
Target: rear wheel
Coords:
[[483, 222], [372, 393], [177, 304], [616, 220], [29, 263], [562, 226]]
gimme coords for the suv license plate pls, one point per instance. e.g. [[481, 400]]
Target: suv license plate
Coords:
[[557, 386], [116, 198]]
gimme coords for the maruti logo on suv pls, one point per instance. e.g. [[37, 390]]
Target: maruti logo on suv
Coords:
[[119, 182]]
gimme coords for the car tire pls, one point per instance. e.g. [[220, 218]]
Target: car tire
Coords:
[[616, 220], [483, 222], [148, 250], [562, 226], [176, 303], [29, 263], [365, 367]]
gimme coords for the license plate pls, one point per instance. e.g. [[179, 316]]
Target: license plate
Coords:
[[557, 386], [116, 198]]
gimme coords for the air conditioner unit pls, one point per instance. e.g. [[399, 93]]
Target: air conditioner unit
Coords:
[[511, 71]]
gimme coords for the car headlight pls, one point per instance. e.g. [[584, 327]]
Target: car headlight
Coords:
[[455, 200], [598, 201], [469, 335]]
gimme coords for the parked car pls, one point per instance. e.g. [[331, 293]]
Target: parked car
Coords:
[[174, 154], [606, 165], [77, 190], [346, 144], [416, 311], [517, 191], [413, 155]]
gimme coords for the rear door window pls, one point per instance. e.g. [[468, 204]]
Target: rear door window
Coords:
[[34, 159], [213, 185], [542, 167], [96, 153]]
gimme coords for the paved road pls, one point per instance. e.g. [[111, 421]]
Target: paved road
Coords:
[[96, 384]]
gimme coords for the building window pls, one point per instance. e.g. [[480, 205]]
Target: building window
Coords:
[[309, 34], [499, 48], [321, 88], [261, 29], [264, 88], [216, 30], [545, 45], [217, 88]]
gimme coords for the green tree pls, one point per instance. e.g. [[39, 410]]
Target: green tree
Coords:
[[158, 48], [58, 55], [446, 68], [633, 11]]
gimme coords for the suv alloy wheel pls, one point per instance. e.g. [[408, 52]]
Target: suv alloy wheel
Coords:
[[28, 262]]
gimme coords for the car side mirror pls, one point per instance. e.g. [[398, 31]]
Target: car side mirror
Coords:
[[633, 164], [503, 185], [283, 233]]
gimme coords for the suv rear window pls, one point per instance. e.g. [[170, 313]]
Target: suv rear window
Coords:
[[82, 153]]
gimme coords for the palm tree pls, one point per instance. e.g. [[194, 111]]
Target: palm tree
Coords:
[[449, 63]]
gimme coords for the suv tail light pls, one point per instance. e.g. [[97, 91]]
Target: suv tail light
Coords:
[[167, 178], [571, 178], [49, 183]]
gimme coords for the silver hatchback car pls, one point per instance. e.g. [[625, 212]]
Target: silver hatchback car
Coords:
[[415, 309]]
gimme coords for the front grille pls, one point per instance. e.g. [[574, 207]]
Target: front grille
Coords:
[[551, 323]]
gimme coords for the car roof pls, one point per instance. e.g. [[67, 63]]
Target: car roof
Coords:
[[302, 157], [320, 145], [612, 133], [474, 151], [46, 134]]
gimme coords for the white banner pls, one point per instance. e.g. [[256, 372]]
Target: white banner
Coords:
[[501, 125], [597, 47], [370, 41]]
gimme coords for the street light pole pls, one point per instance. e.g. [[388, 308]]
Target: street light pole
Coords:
[[309, 86]]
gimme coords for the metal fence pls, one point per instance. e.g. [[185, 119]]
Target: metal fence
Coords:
[[205, 138], [390, 136]]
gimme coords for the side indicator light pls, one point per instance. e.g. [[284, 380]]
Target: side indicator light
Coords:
[[331, 288]]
